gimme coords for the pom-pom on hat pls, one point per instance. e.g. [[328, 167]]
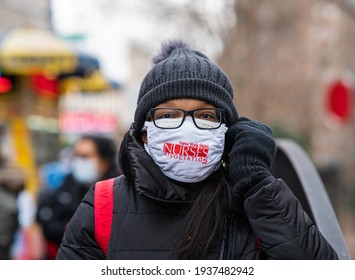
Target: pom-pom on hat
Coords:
[[181, 72]]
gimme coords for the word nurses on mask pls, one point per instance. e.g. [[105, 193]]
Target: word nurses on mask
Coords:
[[187, 154]]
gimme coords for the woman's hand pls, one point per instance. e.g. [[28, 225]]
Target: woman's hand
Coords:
[[252, 149]]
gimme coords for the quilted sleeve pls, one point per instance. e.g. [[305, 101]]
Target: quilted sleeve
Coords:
[[284, 229]]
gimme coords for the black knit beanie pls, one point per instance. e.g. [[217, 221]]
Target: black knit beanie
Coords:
[[180, 72]]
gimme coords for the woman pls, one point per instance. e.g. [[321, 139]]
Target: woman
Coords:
[[94, 158], [196, 181]]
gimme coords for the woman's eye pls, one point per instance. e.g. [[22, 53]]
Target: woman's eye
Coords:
[[208, 116], [166, 116]]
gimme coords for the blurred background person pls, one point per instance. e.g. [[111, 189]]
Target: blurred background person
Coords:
[[53, 174], [93, 158], [29, 241], [12, 181]]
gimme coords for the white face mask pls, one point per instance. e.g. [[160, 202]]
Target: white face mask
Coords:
[[84, 170], [186, 154]]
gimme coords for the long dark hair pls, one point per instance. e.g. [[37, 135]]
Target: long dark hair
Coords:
[[205, 220]]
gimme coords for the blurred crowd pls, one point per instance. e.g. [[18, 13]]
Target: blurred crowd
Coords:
[[32, 225]]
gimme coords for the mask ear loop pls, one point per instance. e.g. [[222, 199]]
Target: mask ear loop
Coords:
[[224, 120], [226, 154], [148, 116]]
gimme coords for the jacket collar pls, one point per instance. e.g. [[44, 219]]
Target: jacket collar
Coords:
[[145, 175]]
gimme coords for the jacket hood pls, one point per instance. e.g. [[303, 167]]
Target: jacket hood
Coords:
[[142, 172]]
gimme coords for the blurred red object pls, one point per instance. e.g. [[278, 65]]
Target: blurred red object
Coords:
[[5, 85], [340, 100], [44, 85], [30, 244]]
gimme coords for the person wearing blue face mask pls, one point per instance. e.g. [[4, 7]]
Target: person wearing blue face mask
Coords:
[[196, 182], [93, 158]]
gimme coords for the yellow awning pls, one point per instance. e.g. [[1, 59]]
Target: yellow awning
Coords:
[[28, 51], [95, 82]]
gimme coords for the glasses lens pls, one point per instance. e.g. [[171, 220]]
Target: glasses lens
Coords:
[[168, 117], [208, 118]]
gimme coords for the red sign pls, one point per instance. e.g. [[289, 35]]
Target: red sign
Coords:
[[5, 85], [44, 86], [339, 100]]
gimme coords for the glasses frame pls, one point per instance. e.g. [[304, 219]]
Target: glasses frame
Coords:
[[187, 113]]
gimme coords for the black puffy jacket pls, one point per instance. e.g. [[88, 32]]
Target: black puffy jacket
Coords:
[[148, 213]]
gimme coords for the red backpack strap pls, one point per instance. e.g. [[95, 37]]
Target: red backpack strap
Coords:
[[103, 210], [259, 246]]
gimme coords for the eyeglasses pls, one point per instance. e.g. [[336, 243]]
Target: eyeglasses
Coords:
[[203, 118]]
